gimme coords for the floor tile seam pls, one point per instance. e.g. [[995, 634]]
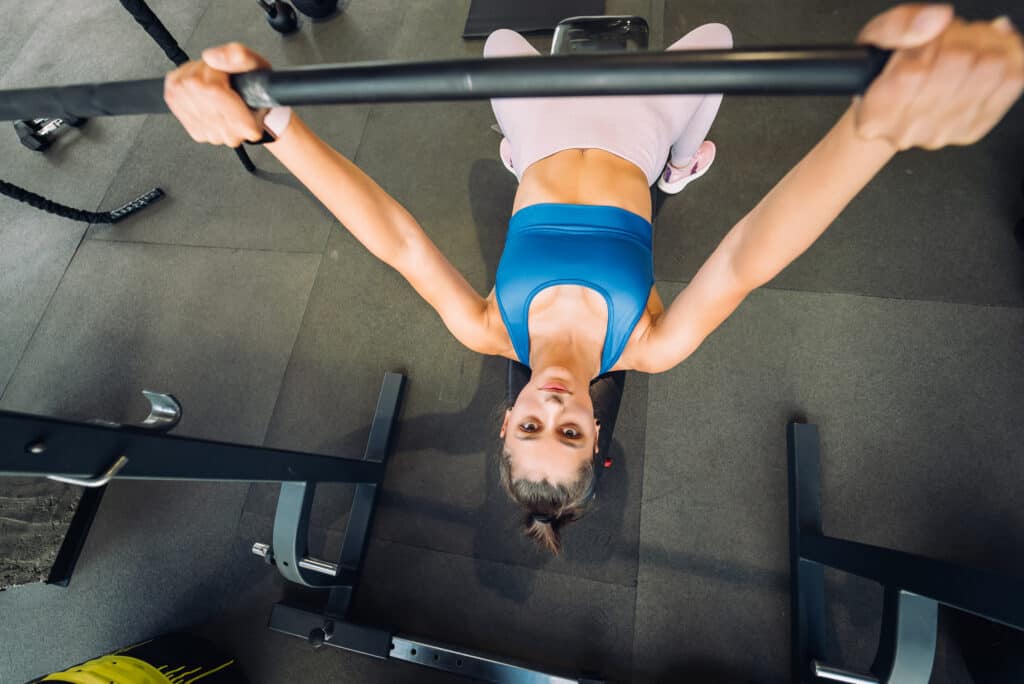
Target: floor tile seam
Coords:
[[189, 245], [42, 315], [280, 384], [362, 137], [82, 238], [508, 564], [138, 132], [183, 43], [657, 14], [29, 40], [371, 108], [864, 296], [640, 527]]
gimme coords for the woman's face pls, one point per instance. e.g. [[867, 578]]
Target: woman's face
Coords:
[[550, 432]]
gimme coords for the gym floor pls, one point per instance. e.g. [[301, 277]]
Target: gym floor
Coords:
[[898, 333]]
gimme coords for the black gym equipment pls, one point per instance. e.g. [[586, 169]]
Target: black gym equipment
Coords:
[[145, 17], [38, 134], [280, 15], [317, 9], [90, 455], [778, 71], [524, 16], [913, 586], [64, 211]]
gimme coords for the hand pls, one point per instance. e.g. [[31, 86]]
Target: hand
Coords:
[[948, 81], [200, 95]]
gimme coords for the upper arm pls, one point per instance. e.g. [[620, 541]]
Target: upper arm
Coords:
[[462, 309], [713, 294], [387, 230]]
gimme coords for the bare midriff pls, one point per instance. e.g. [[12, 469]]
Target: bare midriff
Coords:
[[585, 176]]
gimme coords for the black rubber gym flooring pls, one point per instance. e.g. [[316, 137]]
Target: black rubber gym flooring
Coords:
[[899, 334]]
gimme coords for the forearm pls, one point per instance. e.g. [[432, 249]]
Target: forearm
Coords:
[[362, 206], [805, 202]]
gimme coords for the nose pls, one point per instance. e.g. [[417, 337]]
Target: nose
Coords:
[[555, 398]]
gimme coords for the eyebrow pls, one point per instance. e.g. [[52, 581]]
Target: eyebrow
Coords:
[[571, 445]]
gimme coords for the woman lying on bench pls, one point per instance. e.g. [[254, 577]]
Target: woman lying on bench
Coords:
[[574, 295]]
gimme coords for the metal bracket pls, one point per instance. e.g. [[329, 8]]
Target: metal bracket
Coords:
[[907, 650], [99, 481], [164, 415], [288, 550], [164, 412]]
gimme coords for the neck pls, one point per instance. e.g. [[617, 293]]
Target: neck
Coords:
[[564, 354]]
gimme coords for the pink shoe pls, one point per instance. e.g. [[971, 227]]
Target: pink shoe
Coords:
[[505, 152], [673, 178]]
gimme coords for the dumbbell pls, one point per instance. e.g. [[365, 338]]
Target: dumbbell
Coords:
[[280, 15], [317, 9], [39, 134]]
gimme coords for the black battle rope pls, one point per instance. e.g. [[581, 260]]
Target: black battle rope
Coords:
[[51, 207], [158, 32]]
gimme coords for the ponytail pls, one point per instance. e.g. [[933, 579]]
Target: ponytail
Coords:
[[548, 507]]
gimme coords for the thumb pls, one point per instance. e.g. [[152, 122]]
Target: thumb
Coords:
[[907, 26], [234, 58]]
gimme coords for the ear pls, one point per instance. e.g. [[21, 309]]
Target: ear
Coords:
[[597, 434], [504, 424]]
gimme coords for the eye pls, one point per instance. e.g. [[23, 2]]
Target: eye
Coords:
[[572, 433], [528, 426]]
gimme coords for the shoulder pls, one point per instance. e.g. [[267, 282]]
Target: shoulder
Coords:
[[491, 336], [646, 351], [636, 355]]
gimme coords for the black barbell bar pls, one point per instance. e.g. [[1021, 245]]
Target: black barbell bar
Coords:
[[766, 71]]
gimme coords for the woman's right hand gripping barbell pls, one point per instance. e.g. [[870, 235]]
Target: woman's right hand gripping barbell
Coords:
[[199, 94]]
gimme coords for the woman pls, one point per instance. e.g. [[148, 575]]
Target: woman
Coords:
[[574, 292]]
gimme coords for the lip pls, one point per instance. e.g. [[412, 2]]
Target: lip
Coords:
[[551, 387]]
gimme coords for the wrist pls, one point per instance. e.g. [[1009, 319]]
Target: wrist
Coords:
[[879, 145]]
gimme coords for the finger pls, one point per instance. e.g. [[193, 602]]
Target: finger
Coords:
[[232, 111], [184, 110], [234, 58], [1004, 25], [933, 114], [996, 106], [228, 131], [1011, 82], [986, 78], [259, 129], [907, 25], [982, 83]]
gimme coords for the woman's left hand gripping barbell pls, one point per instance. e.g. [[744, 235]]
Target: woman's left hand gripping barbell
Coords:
[[199, 94]]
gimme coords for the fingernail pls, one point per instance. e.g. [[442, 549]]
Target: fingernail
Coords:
[[927, 18], [1003, 24]]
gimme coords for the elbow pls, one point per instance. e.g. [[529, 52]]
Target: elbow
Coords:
[[401, 246], [745, 277], [739, 269]]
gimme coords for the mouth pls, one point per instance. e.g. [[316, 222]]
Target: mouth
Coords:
[[551, 387]]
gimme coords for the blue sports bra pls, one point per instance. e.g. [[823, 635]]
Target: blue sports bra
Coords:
[[604, 248]]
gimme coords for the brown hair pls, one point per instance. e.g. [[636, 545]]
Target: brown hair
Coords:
[[547, 507]]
